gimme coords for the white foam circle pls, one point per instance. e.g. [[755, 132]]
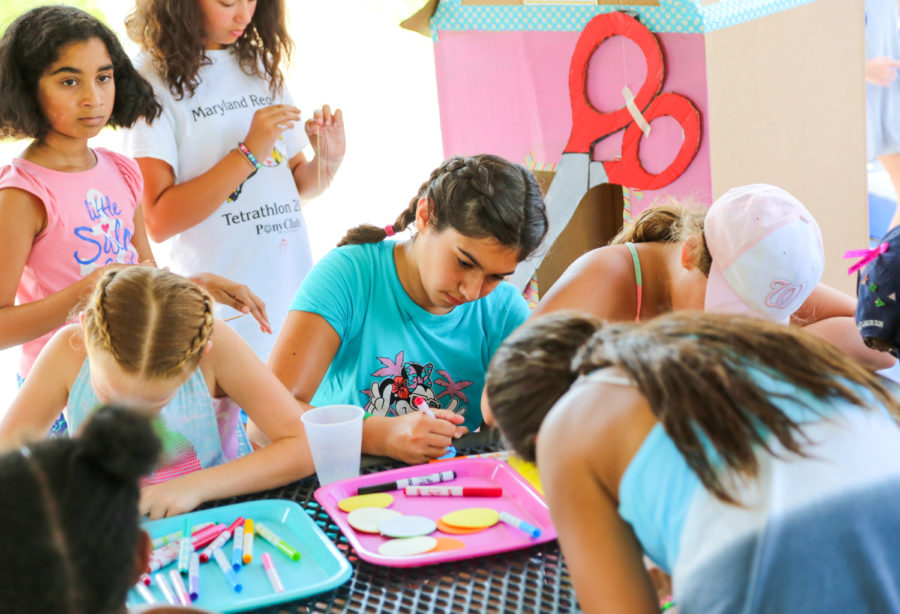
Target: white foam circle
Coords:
[[407, 546], [407, 526], [368, 519]]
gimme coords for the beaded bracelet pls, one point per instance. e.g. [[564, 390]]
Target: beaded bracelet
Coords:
[[249, 156]]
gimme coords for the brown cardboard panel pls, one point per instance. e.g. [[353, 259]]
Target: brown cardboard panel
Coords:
[[787, 107], [596, 220], [419, 21]]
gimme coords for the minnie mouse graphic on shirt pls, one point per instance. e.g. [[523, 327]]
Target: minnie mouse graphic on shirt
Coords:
[[404, 381]]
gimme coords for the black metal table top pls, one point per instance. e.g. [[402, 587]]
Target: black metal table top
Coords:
[[529, 580]]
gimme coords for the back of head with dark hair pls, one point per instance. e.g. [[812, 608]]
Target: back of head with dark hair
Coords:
[[33, 42], [693, 368], [481, 196], [70, 517]]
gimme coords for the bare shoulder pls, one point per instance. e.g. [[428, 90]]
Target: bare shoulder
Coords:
[[67, 348], [600, 282], [600, 423]]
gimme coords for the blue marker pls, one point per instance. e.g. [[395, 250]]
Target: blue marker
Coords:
[[225, 566], [237, 550], [520, 524]]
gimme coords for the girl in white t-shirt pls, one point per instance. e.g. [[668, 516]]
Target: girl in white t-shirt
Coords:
[[223, 167], [70, 210]]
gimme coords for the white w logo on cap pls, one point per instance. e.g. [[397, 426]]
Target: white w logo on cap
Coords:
[[782, 293]]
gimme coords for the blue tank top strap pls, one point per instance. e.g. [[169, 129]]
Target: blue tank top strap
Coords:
[[638, 278], [197, 431]]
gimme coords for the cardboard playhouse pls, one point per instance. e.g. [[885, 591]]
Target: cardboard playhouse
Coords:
[[617, 104]]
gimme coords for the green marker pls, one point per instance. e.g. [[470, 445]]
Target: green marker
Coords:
[[264, 532]]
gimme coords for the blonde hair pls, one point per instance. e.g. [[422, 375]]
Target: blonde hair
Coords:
[[670, 222], [154, 323]]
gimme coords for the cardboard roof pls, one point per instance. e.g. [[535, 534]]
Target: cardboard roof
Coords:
[[692, 16]]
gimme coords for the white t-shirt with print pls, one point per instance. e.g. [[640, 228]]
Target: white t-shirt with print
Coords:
[[258, 236]]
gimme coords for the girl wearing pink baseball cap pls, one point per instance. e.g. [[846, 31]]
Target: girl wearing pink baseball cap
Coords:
[[756, 251]]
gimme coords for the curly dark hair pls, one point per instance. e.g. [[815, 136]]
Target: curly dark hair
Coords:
[[33, 42], [171, 33]]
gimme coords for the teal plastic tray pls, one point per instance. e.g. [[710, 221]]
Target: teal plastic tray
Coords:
[[321, 567]]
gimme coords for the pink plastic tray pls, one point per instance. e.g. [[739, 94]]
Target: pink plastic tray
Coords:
[[519, 499]]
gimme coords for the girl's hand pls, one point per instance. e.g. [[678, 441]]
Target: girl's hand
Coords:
[[326, 134], [235, 295], [268, 123], [418, 438], [881, 71], [168, 499]]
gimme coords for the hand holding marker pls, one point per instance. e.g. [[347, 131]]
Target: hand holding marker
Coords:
[[422, 406]]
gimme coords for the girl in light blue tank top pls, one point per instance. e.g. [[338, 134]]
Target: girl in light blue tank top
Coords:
[[753, 462], [148, 341]]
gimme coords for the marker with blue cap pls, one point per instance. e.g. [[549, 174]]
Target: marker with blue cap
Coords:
[[225, 566], [237, 550], [520, 524]]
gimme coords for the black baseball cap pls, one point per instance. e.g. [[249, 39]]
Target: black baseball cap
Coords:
[[877, 293]]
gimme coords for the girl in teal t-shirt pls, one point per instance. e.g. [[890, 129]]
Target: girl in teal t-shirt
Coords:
[[380, 324]]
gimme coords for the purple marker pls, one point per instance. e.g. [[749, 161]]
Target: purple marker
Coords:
[[194, 577]]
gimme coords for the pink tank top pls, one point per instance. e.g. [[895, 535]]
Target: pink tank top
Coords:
[[90, 223]]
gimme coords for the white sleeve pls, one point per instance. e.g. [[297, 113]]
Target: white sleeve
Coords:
[[295, 139], [156, 139]]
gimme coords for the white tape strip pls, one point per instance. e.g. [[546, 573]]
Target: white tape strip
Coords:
[[635, 112]]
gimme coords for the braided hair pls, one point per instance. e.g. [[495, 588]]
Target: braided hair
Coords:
[[152, 322], [482, 196], [70, 517]]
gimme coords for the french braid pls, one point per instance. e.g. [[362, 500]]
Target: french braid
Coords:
[[478, 196], [152, 322]]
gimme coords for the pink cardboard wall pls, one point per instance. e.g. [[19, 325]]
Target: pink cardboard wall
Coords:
[[507, 93]]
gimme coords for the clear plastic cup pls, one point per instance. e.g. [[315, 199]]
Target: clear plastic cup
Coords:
[[334, 433]]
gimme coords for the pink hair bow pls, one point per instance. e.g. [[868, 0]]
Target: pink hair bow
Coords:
[[865, 256]]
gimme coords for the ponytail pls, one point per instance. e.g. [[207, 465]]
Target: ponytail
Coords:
[[699, 373], [669, 223]]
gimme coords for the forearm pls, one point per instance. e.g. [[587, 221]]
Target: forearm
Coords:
[[377, 436], [284, 461], [22, 323], [313, 176], [184, 205], [842, 333]]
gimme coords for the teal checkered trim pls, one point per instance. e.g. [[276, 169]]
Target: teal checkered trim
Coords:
[[687, 16]]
